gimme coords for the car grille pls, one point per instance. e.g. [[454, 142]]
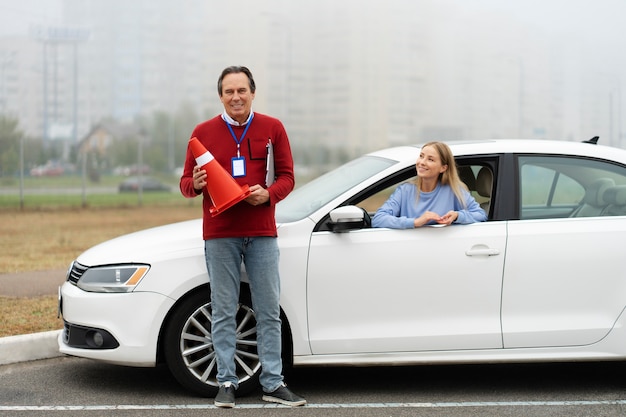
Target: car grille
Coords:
[[76, 271]]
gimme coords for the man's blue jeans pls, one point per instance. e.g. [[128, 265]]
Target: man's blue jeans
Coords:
[[260, 257]]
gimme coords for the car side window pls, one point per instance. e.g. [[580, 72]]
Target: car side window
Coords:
[[373, 202], [478, 184], [561, 187], [479, 180]]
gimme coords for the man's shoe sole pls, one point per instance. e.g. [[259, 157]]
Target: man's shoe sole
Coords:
[[271, 399], [224, 405]]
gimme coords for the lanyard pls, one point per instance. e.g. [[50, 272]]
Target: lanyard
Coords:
[[238, 141]]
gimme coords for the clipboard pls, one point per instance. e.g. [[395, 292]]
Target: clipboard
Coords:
[[270, 175]]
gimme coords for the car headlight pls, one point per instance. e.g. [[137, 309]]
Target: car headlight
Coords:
[[113, 278]]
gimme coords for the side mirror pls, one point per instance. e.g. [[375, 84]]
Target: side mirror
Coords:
[[346, 218]]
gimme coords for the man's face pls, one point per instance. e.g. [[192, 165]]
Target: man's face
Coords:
[[236, 96]]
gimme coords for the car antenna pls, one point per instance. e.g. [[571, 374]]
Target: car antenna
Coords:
[[593, 140]]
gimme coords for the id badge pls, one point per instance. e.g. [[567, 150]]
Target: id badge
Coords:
[[238, 166]]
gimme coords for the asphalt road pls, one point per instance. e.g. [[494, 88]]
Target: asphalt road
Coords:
[[79, 387]]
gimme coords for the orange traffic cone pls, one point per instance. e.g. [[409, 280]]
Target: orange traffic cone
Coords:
[[222, 187]]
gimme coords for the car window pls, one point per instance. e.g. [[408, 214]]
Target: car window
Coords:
[[305, 200], [479, 180], [373, 202], [560, 187], [469, 174]]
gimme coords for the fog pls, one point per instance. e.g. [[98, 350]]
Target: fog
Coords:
[[356, 75]]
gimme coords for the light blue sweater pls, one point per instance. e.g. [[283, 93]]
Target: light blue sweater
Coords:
[[402, 207]]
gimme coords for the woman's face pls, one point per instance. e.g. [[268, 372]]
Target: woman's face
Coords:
[[429, 164]]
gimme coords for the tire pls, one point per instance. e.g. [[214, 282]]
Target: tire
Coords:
[[188, 346]]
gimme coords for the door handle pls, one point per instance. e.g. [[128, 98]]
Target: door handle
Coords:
[[483, 251]]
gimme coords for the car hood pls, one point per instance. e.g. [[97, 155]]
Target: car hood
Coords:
[[147, 246]]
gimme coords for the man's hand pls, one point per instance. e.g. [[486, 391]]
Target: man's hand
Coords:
[[258, 195], [199, 178]]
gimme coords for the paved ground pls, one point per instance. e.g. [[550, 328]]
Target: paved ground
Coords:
[[31, 284]]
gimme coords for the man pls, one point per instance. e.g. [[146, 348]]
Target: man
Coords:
[[240, 140]]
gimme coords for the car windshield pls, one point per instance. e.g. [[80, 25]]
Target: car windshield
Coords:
[[305, 200]]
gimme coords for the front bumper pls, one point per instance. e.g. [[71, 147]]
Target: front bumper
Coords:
[[129, 323]]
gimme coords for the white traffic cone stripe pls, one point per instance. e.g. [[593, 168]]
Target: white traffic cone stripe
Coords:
[[204, 159]]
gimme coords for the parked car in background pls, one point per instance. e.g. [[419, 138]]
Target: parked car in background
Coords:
[[52, 169], [132, 184], [132, 170], [544, 279]]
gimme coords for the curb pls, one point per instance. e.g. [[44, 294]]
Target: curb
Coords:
[[29, 347]]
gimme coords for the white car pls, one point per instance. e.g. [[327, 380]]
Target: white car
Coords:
[[543, 280]]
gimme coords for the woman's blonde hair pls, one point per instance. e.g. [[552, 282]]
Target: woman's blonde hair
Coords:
[[450, 176]]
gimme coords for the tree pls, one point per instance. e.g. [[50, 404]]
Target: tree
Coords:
[[123, 152], [10, 137], [167, 137]]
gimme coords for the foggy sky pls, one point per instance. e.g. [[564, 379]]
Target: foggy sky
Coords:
[[17, 16], [599, 22], [591, 31], [594, 27]]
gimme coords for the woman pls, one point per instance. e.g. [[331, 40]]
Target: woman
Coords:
[[438, 196]]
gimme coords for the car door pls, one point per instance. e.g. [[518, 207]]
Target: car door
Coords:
[[383, 290], [565, 277]]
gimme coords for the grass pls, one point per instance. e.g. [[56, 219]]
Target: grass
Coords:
[[70, 191], [49, 239], [47, 202], [28, 315]]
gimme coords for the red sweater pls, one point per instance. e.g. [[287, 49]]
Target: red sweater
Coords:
[[243, 219]]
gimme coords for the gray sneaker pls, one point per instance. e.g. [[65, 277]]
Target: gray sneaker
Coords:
[[225, 397], [282, 395]]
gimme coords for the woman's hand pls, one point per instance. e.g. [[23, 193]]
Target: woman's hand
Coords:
[[425, 218], [448, 218]]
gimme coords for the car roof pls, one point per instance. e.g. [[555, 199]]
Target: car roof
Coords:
[[499, 146]]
